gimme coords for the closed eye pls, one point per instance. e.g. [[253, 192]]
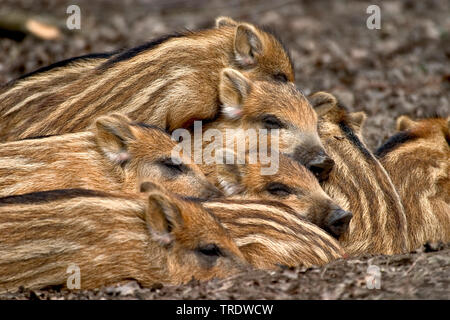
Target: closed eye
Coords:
[[210, 250], [279, 189], [280, 77], [173, 167], [272, 122]]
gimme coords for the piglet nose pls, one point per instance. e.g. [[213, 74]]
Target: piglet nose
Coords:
[[321, 166], [337, 222]]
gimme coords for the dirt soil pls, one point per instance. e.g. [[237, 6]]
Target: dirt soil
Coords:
[[403, 68], [423, 274]]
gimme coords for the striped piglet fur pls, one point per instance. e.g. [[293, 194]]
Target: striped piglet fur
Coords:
[[168, 82], [359, 183], [153, 237], [252, 110], [271, 234], [292, 185], [418, 160], [115, 155]]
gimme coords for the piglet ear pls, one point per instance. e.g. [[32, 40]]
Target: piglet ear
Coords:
[[247, 45], [225, 22], [113, 134], [405, 123], [358, 119], [322, 102], [162, 217], [234, 88]]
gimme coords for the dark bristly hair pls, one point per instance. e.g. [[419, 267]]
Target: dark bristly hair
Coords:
[[130, 53], [393, 142], [51, 195], [66, 62]]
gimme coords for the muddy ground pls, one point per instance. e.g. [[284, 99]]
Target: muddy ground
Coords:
[[423, 274], [402, 68]]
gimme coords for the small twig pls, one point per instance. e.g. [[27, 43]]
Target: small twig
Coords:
[[22, 22]]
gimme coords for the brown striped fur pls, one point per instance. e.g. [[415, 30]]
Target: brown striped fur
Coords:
[[270, 234], [267, 105], [115, 155], [418, 160], [43, 83], [359, 183], [168, 82], [152, 238], [292, 185]]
